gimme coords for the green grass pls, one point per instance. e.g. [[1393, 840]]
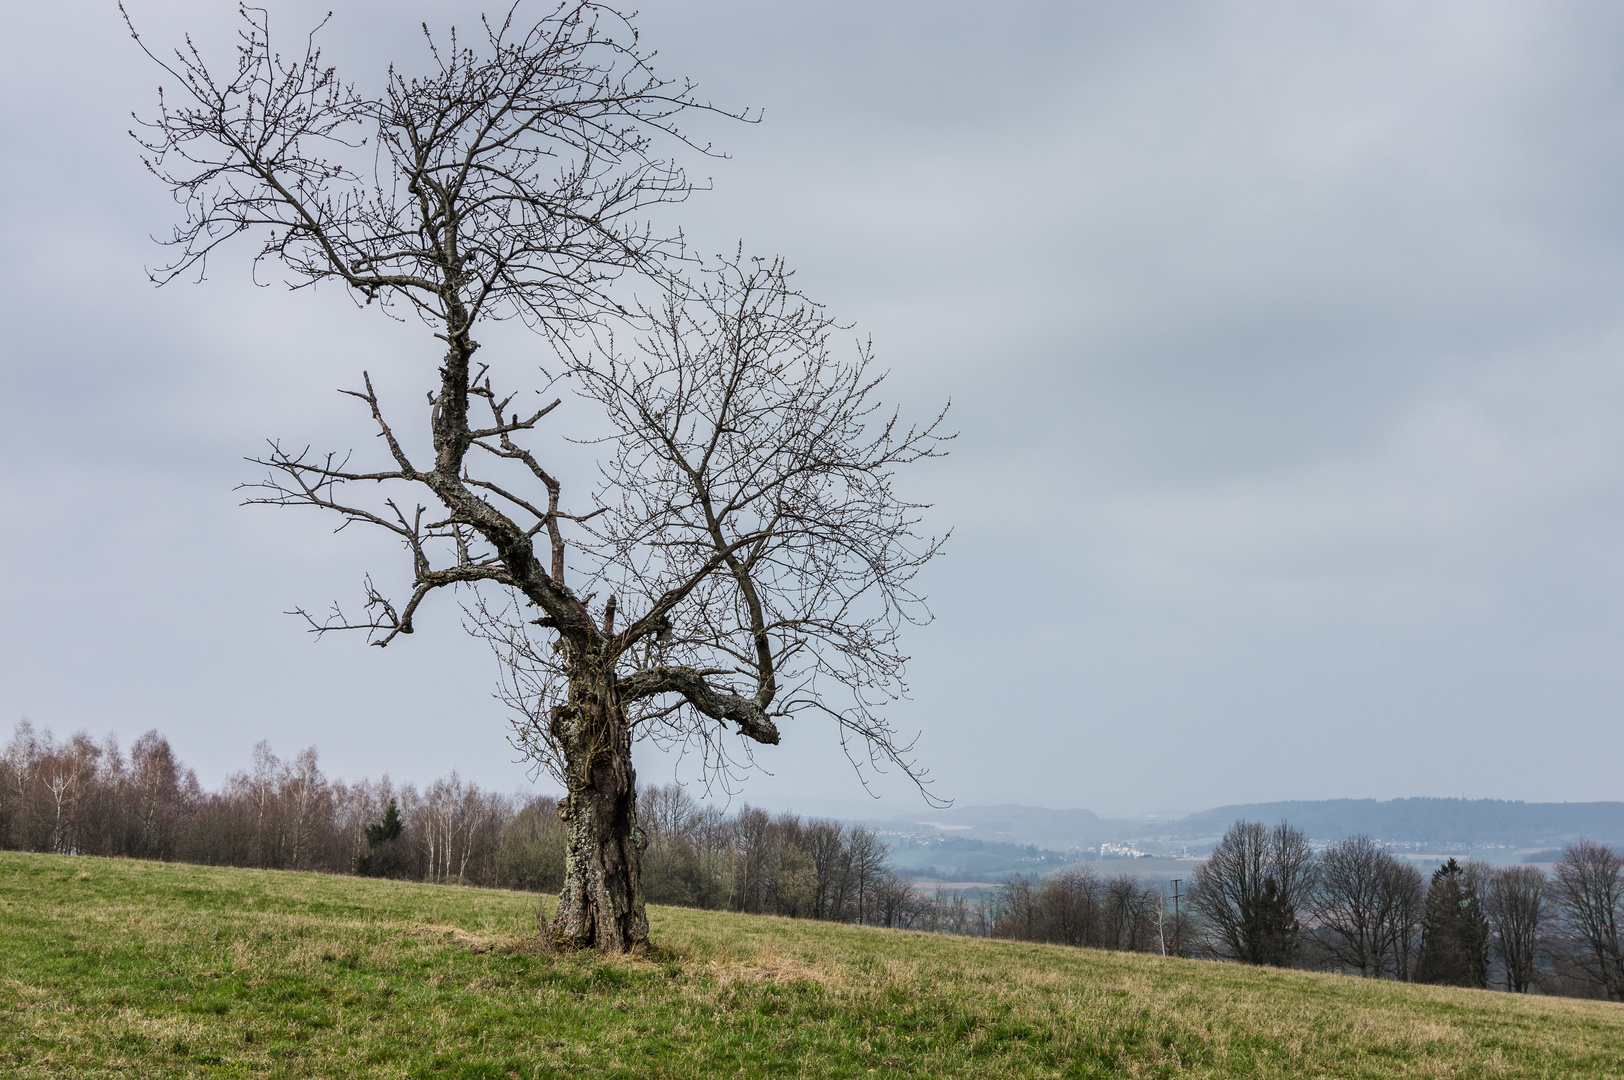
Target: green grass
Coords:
[[111, 967]]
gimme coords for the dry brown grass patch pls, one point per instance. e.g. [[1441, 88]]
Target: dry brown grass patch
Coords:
[[770, 966]]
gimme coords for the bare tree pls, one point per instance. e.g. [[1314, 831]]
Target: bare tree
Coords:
[[448, 816], [261, 791], [748, 554], [667, 809], [712, 848], [1514, 903], [1347, 904], [1250, 890], [831, 861], [1364, 904], [1068, 909], [304, 793], [954, 914], [1130, 914], [866, 863], [1401, 929], [68, 773], [1589, 891], [896, 904], [155, 787]]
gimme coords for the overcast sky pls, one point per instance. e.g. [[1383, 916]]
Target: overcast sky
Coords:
[[1284, 341]]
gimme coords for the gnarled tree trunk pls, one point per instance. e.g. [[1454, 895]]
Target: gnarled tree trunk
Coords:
[[602, 902]]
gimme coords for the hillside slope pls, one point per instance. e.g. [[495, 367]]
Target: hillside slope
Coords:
[[117, 968]]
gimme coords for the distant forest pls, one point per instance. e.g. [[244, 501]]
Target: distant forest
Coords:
[[82, 797]]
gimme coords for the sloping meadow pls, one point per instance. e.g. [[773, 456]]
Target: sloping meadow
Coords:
[[117, 967]]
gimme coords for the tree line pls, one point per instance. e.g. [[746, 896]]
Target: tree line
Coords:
[[1265, 897], [82, 797], [78, 796]]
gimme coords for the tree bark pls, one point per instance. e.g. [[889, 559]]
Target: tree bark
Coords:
[[601, 905]]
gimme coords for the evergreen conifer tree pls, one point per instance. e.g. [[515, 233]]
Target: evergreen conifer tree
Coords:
[[1454, 932], [1272, 926], [387, 829], [387, 854]]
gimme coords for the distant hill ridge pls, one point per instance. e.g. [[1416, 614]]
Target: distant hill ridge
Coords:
[[1460, 821], [1475, 822]]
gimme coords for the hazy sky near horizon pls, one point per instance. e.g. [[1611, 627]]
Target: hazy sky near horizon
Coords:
[[1285, 342]]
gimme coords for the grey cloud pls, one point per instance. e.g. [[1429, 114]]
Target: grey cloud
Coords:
[[1284, 340]]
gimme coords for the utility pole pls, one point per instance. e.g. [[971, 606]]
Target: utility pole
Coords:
[[1178, 926]]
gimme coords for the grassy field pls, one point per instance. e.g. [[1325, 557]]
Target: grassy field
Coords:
[[110, 967]]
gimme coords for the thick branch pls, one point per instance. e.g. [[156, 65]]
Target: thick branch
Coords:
[[752, 719]]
